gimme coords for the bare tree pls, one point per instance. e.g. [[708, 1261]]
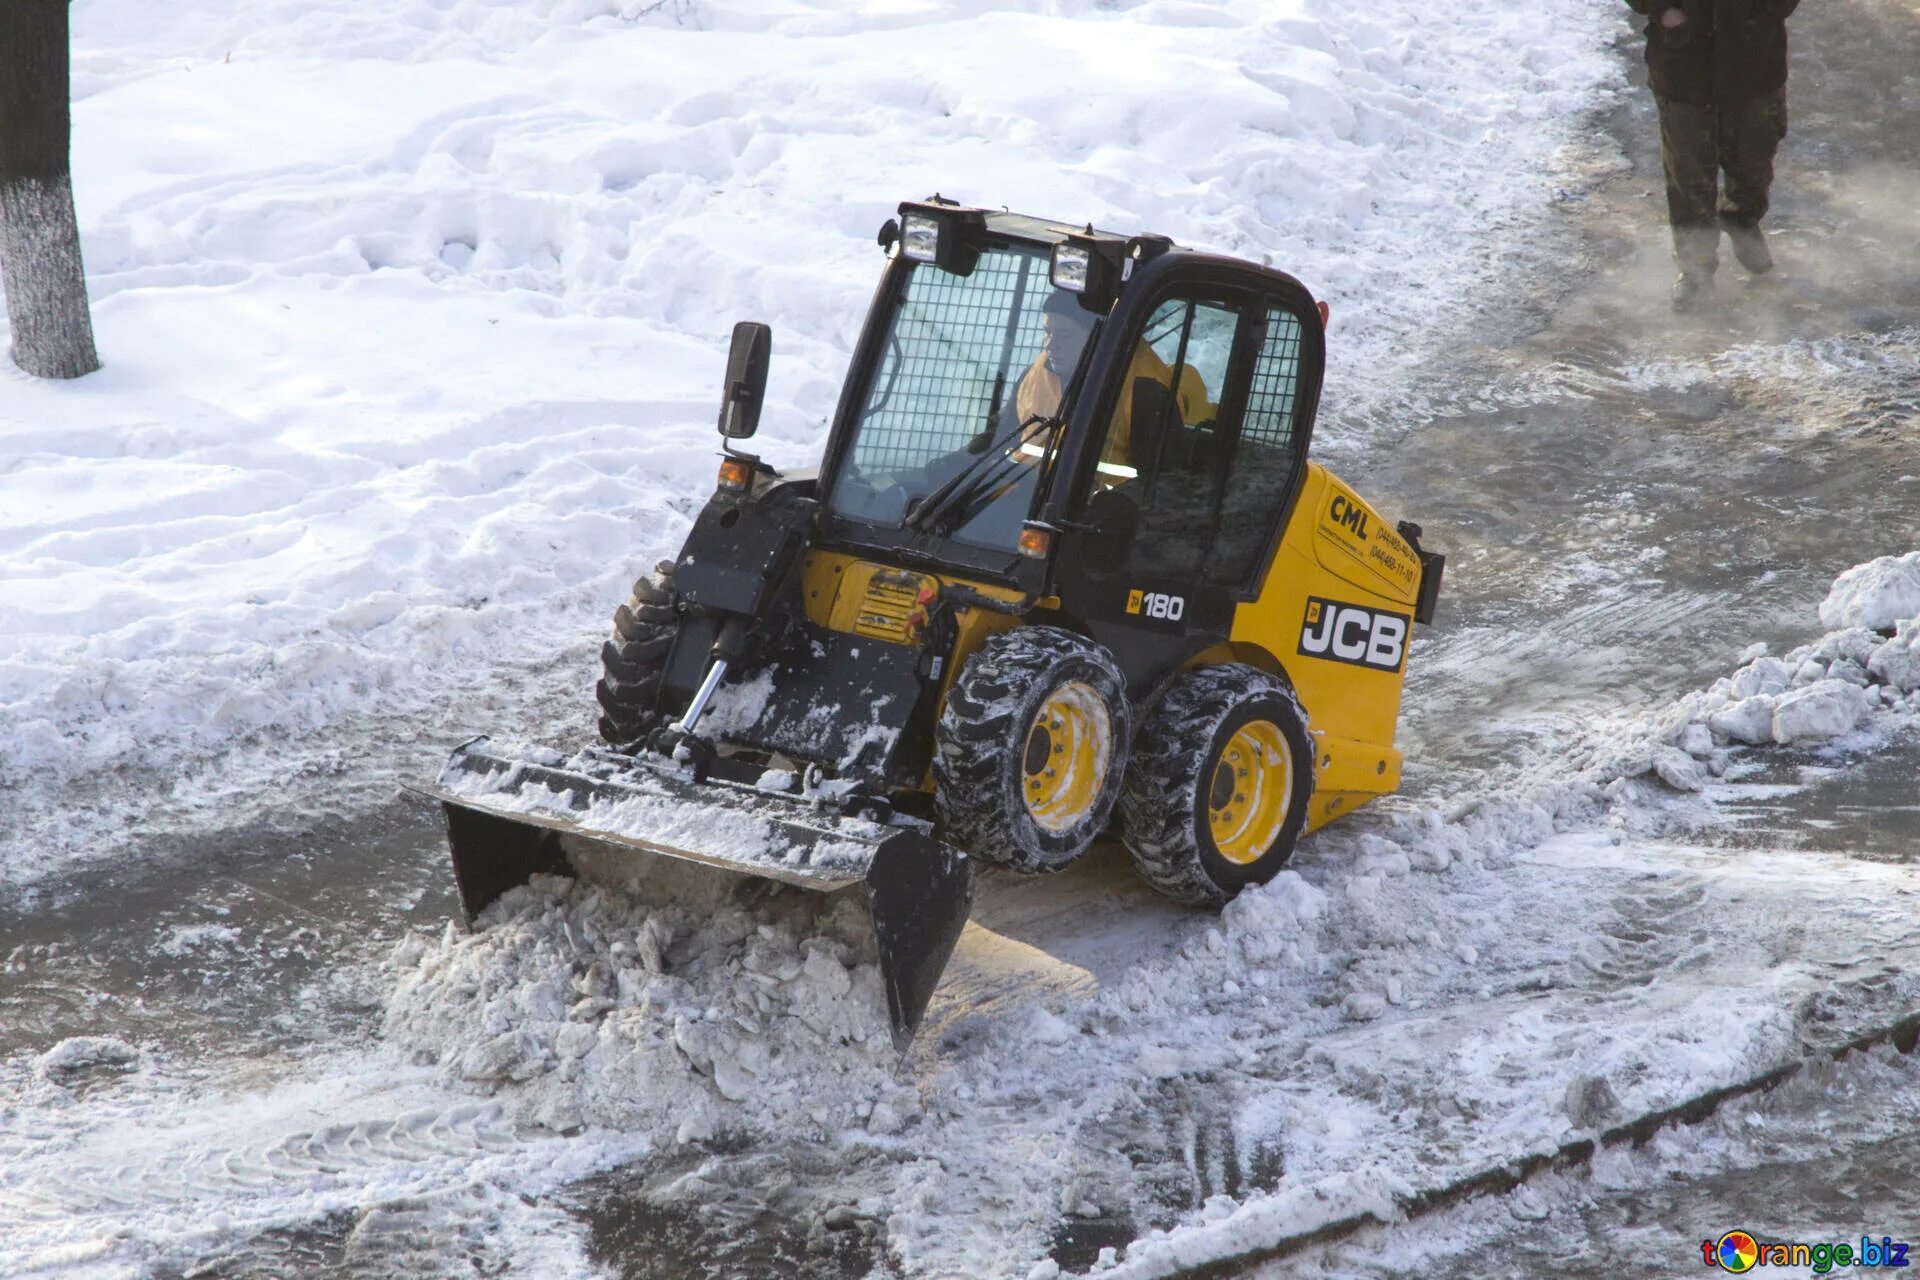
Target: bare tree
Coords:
[[46, 288]]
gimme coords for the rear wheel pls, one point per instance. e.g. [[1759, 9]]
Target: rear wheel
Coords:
[[1218, 787], [1031, 748], [633, 659]]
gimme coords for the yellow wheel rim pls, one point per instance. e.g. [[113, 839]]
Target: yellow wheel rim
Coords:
[[1250, 792], [1065, 764]]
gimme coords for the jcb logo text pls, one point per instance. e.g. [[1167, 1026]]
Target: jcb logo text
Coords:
[[1352, 633]]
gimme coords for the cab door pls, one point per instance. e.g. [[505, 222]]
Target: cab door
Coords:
[[1202, 451], [1134, 567]]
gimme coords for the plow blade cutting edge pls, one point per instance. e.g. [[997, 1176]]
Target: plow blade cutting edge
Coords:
[[512, 811]]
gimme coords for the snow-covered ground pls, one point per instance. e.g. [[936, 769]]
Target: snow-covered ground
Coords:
[[413, 316]]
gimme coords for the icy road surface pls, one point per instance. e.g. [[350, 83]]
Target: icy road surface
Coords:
[[250, 567]]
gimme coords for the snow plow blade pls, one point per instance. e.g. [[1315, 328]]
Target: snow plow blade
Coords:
[[510, 812]]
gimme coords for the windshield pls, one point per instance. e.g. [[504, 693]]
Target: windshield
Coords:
[[968, 361]]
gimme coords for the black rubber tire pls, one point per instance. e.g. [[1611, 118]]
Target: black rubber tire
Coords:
[[632, 659], [1164, 812], [985, 736]]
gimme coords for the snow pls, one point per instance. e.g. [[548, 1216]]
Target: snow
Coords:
[[78, 1055], [711, 821], [1824, 709], [113, 1182], [412, 318], [648, 1020], [1875, 595], [1822, 691], [1681, 1185]]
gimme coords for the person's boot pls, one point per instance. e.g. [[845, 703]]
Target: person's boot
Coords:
[[1691, 290], [1750, 247], [1696, 249]]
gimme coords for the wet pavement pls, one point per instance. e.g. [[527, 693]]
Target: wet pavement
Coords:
[[252, 944]]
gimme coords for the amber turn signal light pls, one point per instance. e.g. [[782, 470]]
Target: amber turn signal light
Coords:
[[735, 474], [1036, 542]]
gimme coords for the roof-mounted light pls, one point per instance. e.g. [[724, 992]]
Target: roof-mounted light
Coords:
[[1070, 266], [1088, 265], [942, 233], [920, 237]]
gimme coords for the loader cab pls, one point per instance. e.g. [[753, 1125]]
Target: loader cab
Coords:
[[1074, 414], [1193, 452]]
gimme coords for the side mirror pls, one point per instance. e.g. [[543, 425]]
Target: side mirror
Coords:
[[746, 379]]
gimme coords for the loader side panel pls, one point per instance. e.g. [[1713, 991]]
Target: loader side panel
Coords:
[[737, 553], [1335, 611], [872, 605], [843, 700]]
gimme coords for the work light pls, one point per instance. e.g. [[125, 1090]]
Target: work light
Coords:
[[920, 237], [1070, 265]]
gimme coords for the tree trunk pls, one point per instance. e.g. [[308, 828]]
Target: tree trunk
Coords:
[[46, 288]]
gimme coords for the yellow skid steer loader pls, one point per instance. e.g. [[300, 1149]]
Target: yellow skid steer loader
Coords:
[[1064, 566]]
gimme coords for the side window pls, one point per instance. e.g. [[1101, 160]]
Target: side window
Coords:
[[1263, 468], [1166, 439]]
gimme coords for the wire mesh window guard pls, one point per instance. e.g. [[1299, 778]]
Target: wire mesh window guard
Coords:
[[1263, 465], [950, 371]]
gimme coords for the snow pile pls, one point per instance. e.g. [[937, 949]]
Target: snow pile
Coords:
[[1847, 687], [1877, 595], [1819, 691], [659, 1020], [413, 317]]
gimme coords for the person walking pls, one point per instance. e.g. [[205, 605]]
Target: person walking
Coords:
[[1718, 69]]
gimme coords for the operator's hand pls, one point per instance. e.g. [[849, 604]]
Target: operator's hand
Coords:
[[1673, 17]]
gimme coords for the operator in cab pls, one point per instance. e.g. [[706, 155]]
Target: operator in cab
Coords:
[[1068, 326]]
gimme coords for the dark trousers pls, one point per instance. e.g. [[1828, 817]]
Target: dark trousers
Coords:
[[1698, 143]]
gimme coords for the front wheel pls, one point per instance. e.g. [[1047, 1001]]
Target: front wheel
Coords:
[[1031, 748], [1218, 787]]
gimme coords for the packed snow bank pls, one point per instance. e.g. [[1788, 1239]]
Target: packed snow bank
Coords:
[[413, 315]]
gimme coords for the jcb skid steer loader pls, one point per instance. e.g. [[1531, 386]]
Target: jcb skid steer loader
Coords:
[[1064, 562]]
